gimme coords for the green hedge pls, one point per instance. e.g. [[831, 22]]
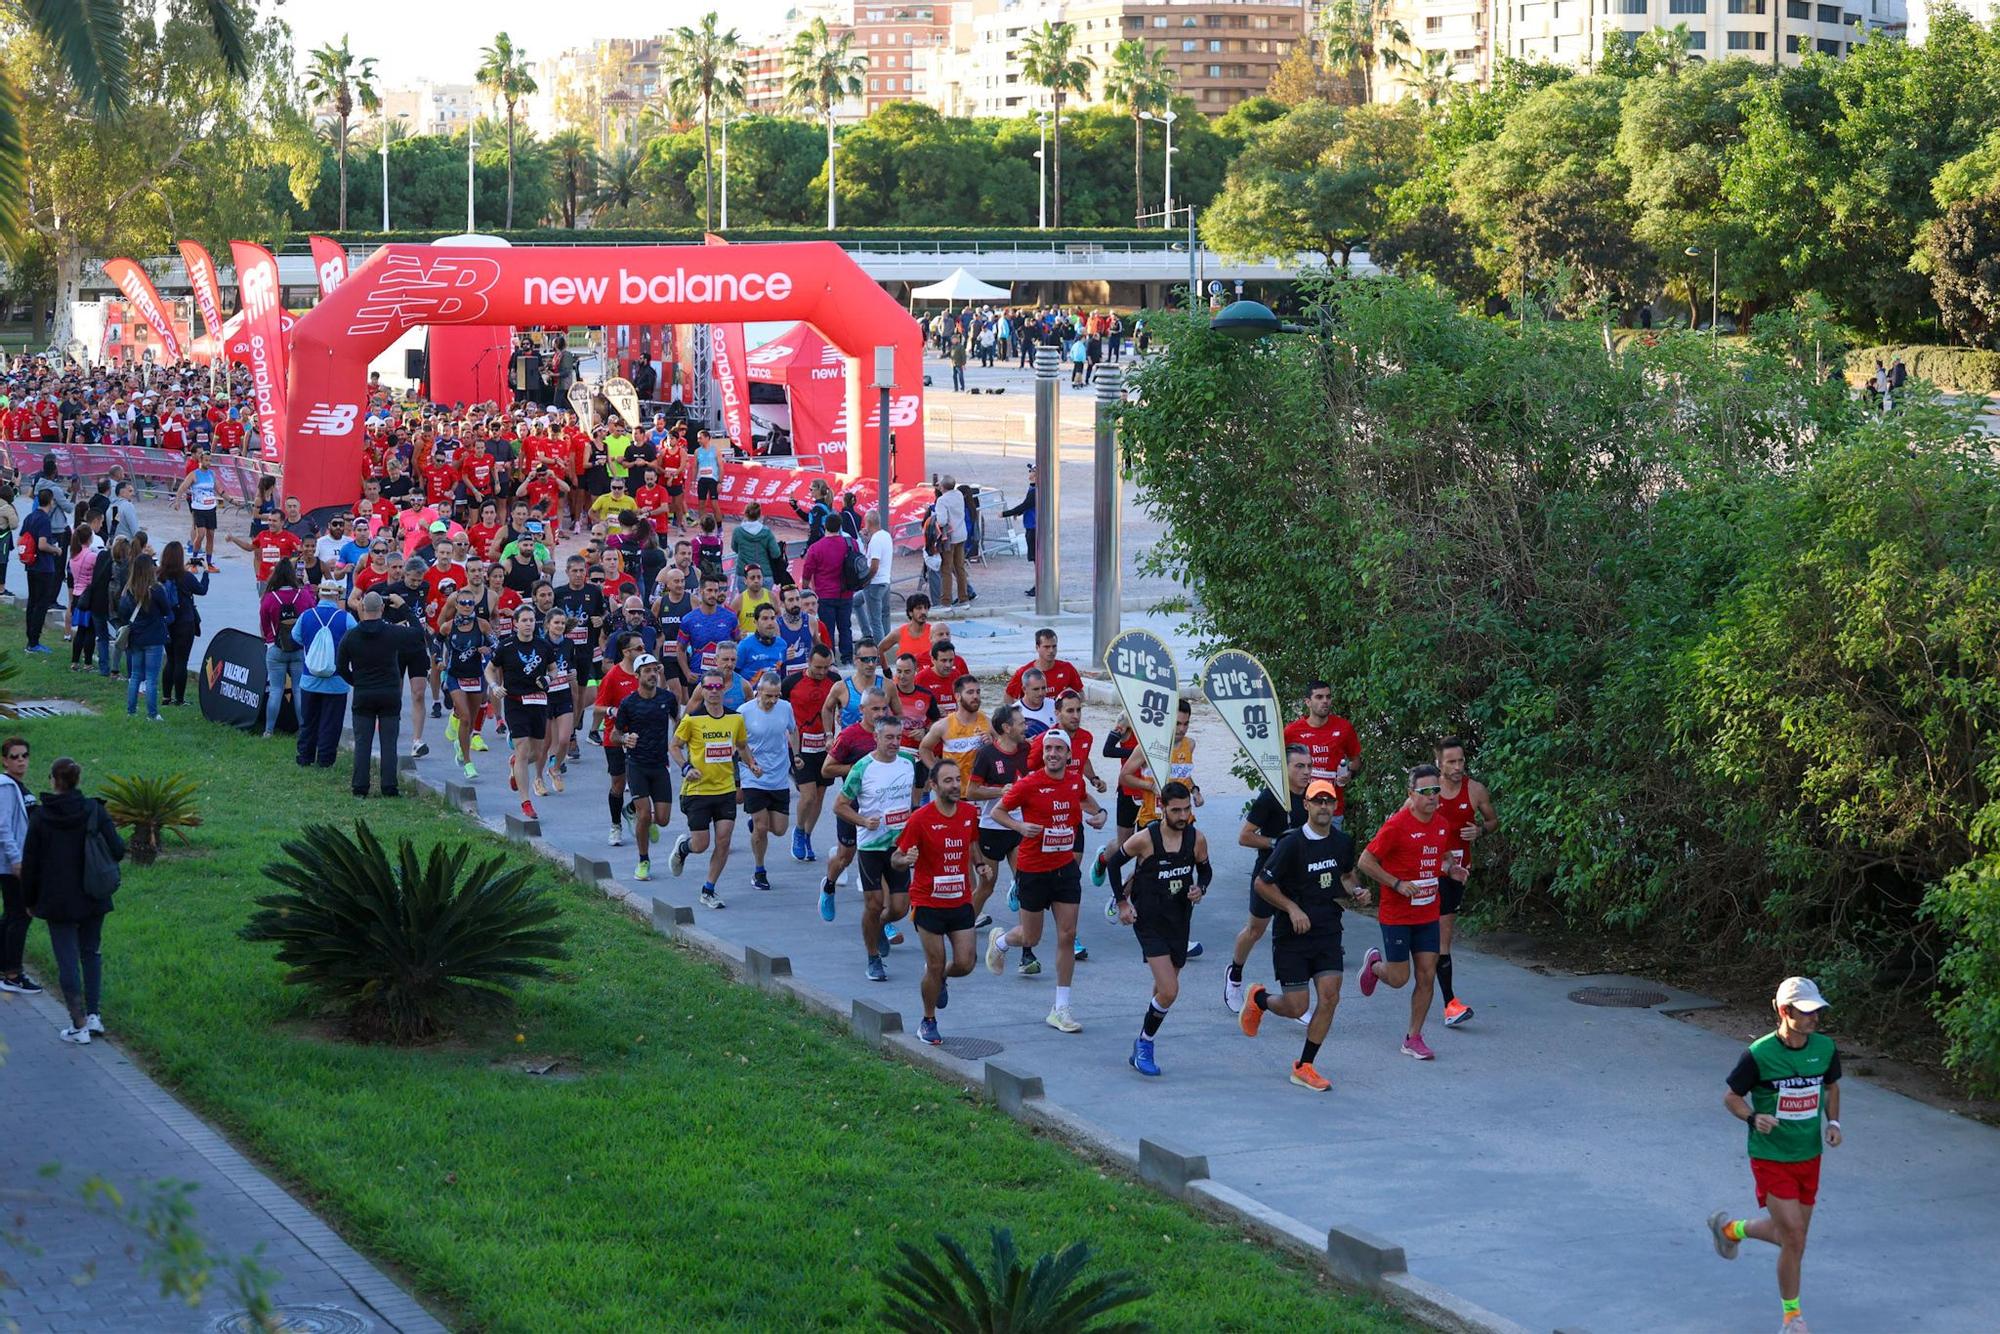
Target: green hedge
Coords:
[[1959, 369], [693, 235]]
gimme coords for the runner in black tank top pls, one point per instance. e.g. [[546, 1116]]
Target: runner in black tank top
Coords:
[[1173, 873]]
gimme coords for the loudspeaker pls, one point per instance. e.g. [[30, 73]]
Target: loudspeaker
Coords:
[[413, 363]]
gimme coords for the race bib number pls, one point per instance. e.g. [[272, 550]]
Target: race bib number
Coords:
[[1058, 838], [472, 685], [718, 752], [812, 743], [896, 819], [1427, 891], [535, 698], [948, 887], [579, 634], [1320, 773], [1798, 1104]]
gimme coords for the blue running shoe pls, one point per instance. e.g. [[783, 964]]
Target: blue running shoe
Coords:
[[1142, 1057], [1081, 952], [1097, 868], [759, 880], [825, 902], [1013, 897], [891, 936], [1194, 950], [927, 1030], [798, 845], [944, 992], [876, 972]]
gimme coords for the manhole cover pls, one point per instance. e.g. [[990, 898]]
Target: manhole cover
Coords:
[[321, 1319], [1624, 998], [50, 708], [972, 1049]]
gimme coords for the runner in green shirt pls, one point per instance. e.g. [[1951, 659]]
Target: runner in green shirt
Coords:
[[1786, 1088]]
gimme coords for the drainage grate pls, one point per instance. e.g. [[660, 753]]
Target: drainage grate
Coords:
[[972, 1049], [52, 708], [320, 1319], [1624, 998]]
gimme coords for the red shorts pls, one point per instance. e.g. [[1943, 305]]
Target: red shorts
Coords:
[[1787, 1181]]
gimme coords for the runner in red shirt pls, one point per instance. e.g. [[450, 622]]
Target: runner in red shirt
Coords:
[[1330, 740], [936, 846], [440, 479], [1405, 857], [944, 669], [1048, 809], [1059, 675], [475, 469], [807, 692], [1069, 721], [479, 536], [270, 546], [229, 435], [1467, 810], [655, 505], [619, 680]]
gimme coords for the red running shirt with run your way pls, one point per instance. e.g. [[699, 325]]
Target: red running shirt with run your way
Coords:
[[1328, 744], [1056, 804], [1410, 850], [942, 877]]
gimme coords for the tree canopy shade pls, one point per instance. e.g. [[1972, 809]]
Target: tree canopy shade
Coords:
[[1316, 181]]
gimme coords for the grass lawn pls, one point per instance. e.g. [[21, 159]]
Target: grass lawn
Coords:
[[721, 1157]]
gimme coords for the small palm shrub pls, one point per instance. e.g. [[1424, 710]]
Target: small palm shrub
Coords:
[[402, 945], [151, 806], [1008, 1296], [9, 671]]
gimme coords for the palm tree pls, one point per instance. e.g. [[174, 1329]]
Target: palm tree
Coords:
[[1139, 78], [336, 75], [820, 70], [575, 155], [92, 44], [1046, 60], [703, 65], [503, 71], [619, 178], [1433, 77], [1361, 34]]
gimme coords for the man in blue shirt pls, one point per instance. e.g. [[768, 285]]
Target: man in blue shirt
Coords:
[[707, 625], [772, 733], [322, 697], [45, 570], [796, 629], [763, 652]]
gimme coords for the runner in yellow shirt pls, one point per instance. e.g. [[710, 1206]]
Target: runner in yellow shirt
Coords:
[[708, 744], [607, 507]]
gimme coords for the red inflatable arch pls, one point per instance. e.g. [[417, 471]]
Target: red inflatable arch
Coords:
[[404, 285]]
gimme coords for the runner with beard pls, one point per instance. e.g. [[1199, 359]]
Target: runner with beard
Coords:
[[1264, 823], [852, 742], [937, 848], [519, 672], [809, 694], [1173, 873], [1467, 808]]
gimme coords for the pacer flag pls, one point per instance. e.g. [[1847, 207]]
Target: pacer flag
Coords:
[[264, 325], [330, 263], [207, 293], [146, 303], [1148, 685], [623, 398], [725, 356], [1241, 691]]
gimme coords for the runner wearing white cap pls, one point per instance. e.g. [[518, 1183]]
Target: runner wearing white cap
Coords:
[[1786, 1089]]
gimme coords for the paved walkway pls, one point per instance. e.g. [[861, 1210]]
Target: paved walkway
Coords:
[[72, 1267]]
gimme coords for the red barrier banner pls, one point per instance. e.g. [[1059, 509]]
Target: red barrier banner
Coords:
[[235, 477], [145, 299], [263, 324], [207, 293], [725, 356], [329, 263]]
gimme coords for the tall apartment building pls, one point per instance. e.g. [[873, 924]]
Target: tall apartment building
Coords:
[[1981, 11], [891, 33], [603, 88], [1221, 51], [1777, 31], [424, 108]]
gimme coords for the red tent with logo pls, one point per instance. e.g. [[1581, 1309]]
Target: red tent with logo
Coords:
[[814, 374]]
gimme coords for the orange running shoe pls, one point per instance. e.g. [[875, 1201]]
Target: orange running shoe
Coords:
[[1308, 1078], [1252, 1016], [1456, 1012]]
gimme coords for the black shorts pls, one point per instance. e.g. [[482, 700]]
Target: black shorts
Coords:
[[944, 921], [1451, 893], [878, 874], [757, 799], [1163, 930], [527, 722], [997, 845], [844, 833], [810, 765], [1128, 810], [702, 811], [649, 784], [204, 519], [561, 704], [676, 489], [583, 667], [706, 488], [1297, 960], [614, 761], [1044, 889]]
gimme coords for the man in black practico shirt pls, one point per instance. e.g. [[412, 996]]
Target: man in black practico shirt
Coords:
[[1264, 823], [643, 723]]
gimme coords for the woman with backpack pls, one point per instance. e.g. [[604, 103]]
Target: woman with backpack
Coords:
[[284, 657], [148, 615], [182, 586], [83, 562], [70, 887], [113, 564]]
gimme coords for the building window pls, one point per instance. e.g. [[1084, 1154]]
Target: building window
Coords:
[[1215, 71], [1697, 41], [1189, 44], [1432, 23], [1830, 14], [1687, 6], [1798, 9], [1465, 56], [1828, 47], [1159, 23], [1629, 7], [1746, 6], [1215, 45], [1746, 41]]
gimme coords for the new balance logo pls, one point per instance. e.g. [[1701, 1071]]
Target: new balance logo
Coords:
[[329, 419]]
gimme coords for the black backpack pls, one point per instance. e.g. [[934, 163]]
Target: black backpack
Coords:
[[288, 616], [854, 574]]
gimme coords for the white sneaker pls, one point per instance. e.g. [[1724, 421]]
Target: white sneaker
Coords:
[[1063, 1021], [618, 836], [93, 1023], [1232, 994], [996, 958], [80, 1036]]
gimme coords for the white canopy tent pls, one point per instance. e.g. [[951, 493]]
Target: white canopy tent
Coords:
[[960, 286]]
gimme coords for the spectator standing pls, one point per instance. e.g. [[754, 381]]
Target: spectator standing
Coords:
[[182, 586], [106, 580], [880, 549], [1025, 512], [824, 573], [958, 363], [83, 562], [10, 524], [322, 689], [278, 616], [755, 544], [374, 658], [53, 881], [950, 511], [13, 839], [145, 606], [43, 566], [122, 519]]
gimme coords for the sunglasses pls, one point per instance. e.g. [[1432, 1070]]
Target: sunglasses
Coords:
[[868, 660], [1428, 791], [1319, 801]]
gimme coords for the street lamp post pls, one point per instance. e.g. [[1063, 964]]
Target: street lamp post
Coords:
[[725, 203], [401, 115], [471, 142], [885, 380], [1714, 287], [1107, 584], [1042, 167], [1048, 486], [1166, 118]]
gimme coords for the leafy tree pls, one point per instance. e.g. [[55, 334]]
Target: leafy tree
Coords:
[[1972, 176], [821, 69], [336, 76], [503, 71], [1048, 60], [91, 45], [1138, 78], [1961, 253], [575, 157], [1360, 36], [622, 175], [706, 64], [1433, 80], [1298, 79], [1318, 181]]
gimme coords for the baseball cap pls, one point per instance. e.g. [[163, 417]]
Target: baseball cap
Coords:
[[331, 588], [644, 661], [1801, 993], [440, 526], [1319, 787], [533, 525]]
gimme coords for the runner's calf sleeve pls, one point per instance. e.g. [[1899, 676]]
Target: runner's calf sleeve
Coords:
[[1156, 1014], [1444, 978], [613, 800]]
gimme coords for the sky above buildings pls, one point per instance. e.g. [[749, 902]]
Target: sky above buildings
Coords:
[[440, 42]]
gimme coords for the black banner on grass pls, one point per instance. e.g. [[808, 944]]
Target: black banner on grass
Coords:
[[232, 680]]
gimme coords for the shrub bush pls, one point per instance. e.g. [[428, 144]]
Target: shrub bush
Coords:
[[1007, 1296], [400, 946], [150, 807], [1966, 370]]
